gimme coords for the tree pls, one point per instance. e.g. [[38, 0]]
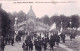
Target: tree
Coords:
[[75, 21], [45, 20], [53, 19], [65, 21], [21, 16], [5, 26], [6, 23]]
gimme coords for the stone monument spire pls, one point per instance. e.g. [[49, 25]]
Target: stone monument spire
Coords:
[[31, 12], [31, 7]]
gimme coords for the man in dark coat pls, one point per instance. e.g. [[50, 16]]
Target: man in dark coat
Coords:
[[44, 43], [17, 38], [27, 45], [35, 44], [12, 41], [2, 45], [39, 45], [9, 39], [57, 40], [24, 46], [62, 37], [30, 45], [52, 43], [71, 36]]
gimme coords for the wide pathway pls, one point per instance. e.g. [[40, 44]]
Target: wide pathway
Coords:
[[18, 47]]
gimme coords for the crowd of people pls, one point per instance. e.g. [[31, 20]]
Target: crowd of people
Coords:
[[43, 41], [39, 40], [7, 40]]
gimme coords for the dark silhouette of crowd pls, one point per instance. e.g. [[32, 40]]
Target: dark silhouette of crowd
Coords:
[[40, 42]]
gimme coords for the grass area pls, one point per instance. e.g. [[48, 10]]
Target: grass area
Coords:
[[74, 44]]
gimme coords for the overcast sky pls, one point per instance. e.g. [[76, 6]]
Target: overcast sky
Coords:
[[41, 9]]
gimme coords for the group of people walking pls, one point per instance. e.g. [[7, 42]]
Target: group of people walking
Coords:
[[7, 40], [43, 43], [47, 42]]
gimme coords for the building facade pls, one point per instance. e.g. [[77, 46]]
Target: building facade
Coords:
[[32, 24]]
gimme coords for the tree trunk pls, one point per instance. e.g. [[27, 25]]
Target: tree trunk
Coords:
[[0, 34]]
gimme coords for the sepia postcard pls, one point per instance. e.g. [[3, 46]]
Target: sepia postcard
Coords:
[[39, 25]]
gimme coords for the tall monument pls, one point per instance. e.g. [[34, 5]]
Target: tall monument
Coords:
[[31, 12], [31, 20]]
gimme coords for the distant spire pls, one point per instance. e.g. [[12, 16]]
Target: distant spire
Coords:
[[31, 7], [31, 12]]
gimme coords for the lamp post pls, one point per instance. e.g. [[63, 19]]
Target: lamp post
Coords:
[[61, 26], [16, 26], [70, 25]]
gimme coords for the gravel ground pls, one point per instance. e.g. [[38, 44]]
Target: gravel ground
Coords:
[[74, 44]]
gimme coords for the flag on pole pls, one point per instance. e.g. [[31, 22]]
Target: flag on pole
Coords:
[[53, 26]]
